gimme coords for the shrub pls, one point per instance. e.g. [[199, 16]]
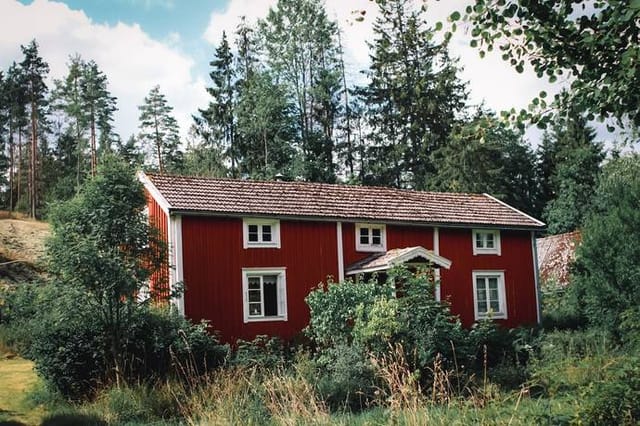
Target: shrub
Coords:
[[333, 309], [263, 352], [68, 346], [345, 377], [614, 401]]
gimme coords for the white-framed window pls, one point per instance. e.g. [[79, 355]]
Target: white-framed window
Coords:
[[371, 237], [486, 241], [489, 297], [264, 294], [261, 233]]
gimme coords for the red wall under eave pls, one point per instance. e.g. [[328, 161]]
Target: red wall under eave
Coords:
[[515, 260], [213, 259], [158, 219], [398, 236]]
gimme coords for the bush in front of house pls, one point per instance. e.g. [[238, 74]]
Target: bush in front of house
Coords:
[[358, 326]]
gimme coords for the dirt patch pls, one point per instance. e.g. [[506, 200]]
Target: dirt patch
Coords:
[[22, 248]]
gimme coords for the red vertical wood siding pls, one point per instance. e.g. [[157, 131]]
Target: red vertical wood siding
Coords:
[[159, 282], [398, 236], [516, 260], [213, 258]]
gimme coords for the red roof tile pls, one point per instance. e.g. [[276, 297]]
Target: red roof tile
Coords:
[[346, 202], [555, 255]]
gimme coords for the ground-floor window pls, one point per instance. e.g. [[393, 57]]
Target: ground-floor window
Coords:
[[489, 295], [264, 294]]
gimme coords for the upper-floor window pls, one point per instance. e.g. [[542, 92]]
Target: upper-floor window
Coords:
[[261, 233], [370, 237], [489, 295], [264, 294], [486, 241]]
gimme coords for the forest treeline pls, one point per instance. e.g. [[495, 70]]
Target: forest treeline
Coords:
[[281, 105]]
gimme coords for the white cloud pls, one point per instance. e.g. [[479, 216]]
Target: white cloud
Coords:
[[132, 61], [490, 79]]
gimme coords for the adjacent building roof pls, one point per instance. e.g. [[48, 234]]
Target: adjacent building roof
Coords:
[[555, 255], [387, 260], [188, 194]]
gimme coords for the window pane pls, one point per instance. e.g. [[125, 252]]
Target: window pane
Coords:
[[493, 294], [479, 243], [493, 282], [489, 240], [376, 237], [253, 233], [364, 236], [254, 283], [266, 233], [254, 296], [495, 306], [270, 286], [255, 309]]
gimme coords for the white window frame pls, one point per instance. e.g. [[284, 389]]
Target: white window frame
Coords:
[[370, 247], [496, 249], [502, 296], [280, 272], [275, 233]]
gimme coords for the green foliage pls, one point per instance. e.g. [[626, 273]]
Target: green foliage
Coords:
[[484, 155], [159, 132], [607, 268], [302, 50], [263, 352], [614, 401], [412, 97], [593, 43], [71, 349], [567, 361], [85, 328], [345, 377], [334, 308], [353, 322], [569, 167], [559, 309]]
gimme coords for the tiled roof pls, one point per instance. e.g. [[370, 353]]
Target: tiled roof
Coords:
[[346, 202], [555, 255], [386, 260]]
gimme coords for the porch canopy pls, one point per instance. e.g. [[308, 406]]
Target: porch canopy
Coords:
[[410, 256]]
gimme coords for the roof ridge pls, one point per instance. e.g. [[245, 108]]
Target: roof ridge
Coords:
[[319, 184]]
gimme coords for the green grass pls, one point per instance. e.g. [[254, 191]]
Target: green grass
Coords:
[[18, 378]]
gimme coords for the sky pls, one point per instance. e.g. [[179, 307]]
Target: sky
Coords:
[[142, 43]]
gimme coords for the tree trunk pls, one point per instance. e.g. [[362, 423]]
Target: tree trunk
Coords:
[[11, 165], [158, 142], [33, 191], [94, 156], [19, 171]]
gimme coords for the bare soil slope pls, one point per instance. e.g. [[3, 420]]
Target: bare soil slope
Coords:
[[21, 249]]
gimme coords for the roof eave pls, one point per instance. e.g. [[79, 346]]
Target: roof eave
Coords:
[[193, 212]]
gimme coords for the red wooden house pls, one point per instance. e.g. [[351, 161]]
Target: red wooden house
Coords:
[[248, 252]]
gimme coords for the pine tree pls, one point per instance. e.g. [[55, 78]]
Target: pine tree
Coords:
[[302, 51], [570, 159], [217, 121], [413, 96], [99, 106], [485, 156], [34, 70], [159, 132], [266, 127], [15, 101], [4, 136]]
